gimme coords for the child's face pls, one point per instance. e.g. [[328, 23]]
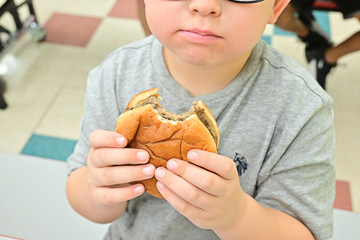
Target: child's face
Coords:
[[208, 32]]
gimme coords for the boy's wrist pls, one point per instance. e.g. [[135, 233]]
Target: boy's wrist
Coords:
[[233, 230]]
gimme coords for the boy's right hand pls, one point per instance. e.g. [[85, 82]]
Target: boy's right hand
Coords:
[[112, 167]]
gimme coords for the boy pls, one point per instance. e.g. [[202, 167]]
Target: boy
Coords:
[[273, 176]]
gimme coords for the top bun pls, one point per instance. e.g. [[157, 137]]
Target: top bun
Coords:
[[147, 125]]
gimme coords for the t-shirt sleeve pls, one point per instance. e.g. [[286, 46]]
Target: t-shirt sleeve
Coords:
[[109, 88], [101, 112], [302, 182]]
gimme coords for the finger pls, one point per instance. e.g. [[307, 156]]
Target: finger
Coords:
[[182, 206], [104, 157], [102, 138], [122, 174], [183, 189], [199, 177], [221, 165], [110, 196]]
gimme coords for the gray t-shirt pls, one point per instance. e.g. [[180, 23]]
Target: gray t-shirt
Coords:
[[275, 122]]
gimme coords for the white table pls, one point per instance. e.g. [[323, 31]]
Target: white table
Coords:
[[33, 204], [346, 225]]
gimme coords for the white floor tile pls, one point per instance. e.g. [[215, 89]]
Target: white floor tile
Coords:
[[94, 8], [63, 118], [113, 33]]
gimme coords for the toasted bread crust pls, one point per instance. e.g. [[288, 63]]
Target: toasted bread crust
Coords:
[[142, 96]]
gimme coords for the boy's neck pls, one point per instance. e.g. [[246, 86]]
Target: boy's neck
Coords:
[[201, 80]]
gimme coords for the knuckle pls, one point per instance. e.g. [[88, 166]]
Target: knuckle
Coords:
[[90, 180], [206, 182], [108, 175], [194, 196], [107, 198], [92, 159], [93, 137], [229, 167], [183, 208], [100, 154]]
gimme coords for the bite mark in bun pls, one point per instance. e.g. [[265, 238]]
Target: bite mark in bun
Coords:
[[164, 135]]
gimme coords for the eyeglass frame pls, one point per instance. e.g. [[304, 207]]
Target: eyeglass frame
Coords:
[[246, 2]]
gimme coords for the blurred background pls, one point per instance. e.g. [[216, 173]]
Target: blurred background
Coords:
[[46, 79]]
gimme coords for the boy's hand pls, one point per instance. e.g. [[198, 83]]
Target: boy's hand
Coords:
[[111, 168], [206, 190]]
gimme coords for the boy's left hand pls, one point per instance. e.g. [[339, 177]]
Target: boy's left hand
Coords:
[[206, 190]]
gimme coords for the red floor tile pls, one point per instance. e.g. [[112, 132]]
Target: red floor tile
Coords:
[[124, 9], [343, 196], [70, 29]]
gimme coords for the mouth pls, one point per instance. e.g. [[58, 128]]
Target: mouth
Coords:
[[202, 33], [199, 36]]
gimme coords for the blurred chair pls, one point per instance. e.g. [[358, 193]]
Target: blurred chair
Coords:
[[325, 5], [30, 24], [3, 103]]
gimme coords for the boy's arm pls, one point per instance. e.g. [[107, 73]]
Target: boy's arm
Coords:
[[81, 201], [258, 222], [100, 190], [217, 202]]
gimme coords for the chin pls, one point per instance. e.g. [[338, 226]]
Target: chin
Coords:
[[199, 57]]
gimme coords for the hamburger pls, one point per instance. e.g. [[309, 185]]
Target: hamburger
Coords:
[[164, 135]]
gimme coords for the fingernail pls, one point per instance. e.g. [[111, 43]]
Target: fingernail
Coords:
[[142, 156], [172, 164], [148, 170], [121, 141], [160, 173], [139, 189], [160, 185], [192, 155]]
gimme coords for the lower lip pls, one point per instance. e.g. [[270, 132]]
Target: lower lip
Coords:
[[195, 37]]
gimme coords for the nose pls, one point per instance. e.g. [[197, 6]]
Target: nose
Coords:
[[205, 7]]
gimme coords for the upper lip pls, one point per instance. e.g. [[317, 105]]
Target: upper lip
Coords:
[[202, 32]]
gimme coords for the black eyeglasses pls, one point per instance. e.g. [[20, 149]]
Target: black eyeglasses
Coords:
[[246, 1]]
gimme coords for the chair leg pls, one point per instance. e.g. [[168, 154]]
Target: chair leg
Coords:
[[14, 12], [3, 104], [31, 9]]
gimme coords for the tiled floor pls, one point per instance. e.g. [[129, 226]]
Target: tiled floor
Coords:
[[47, 85]]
